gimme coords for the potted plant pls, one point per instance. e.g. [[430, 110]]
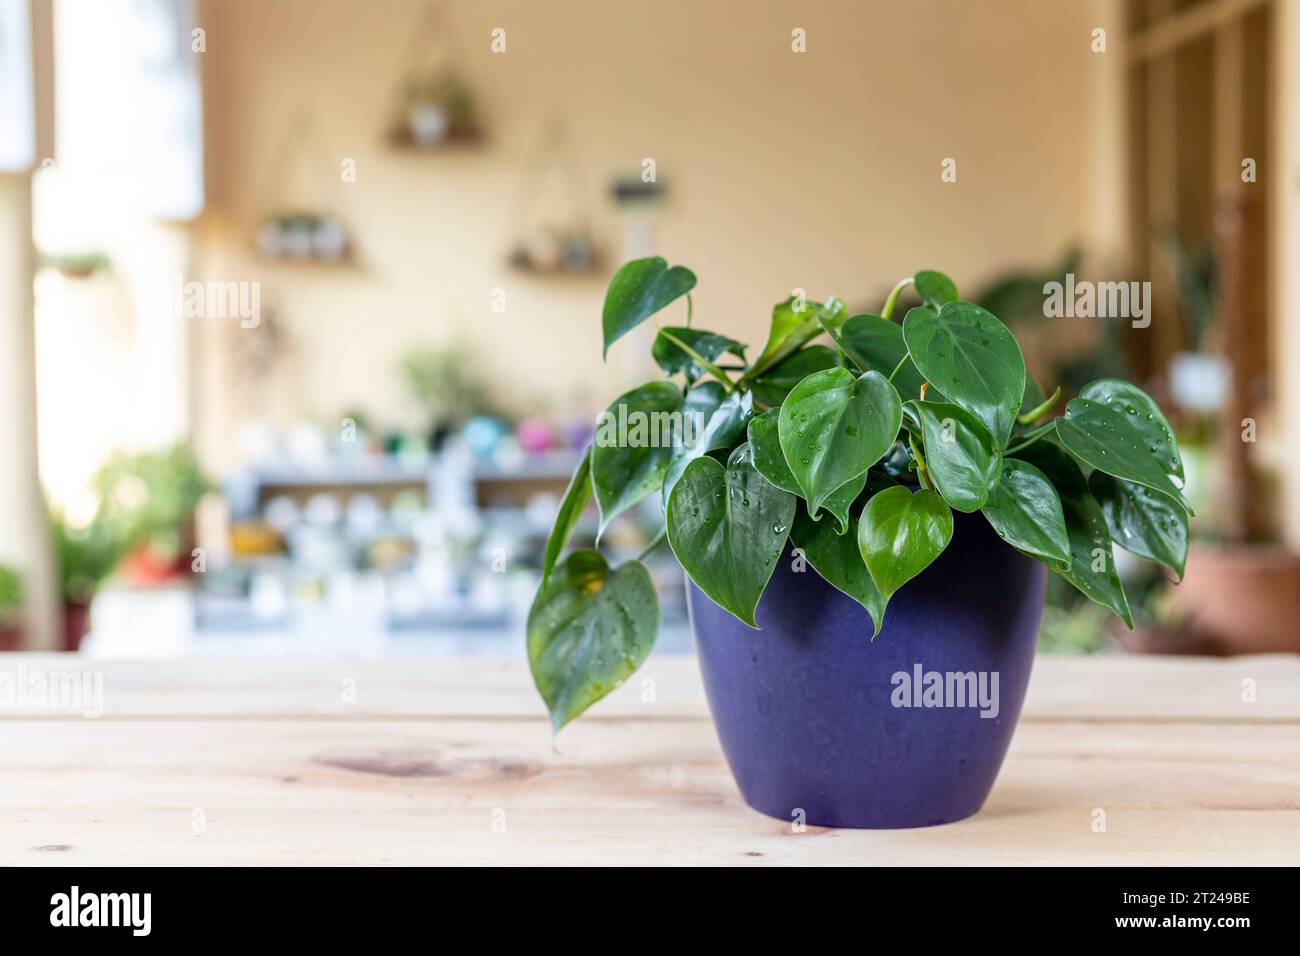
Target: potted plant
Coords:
[[86, 556], [866, 528], [150, 497], [439, 106], [11, 608]]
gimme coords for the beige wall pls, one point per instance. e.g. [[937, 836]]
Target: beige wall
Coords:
[[818, 170]]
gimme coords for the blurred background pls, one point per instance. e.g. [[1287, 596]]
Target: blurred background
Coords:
[[300, 299]]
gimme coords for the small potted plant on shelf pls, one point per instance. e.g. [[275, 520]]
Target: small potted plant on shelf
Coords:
[[866, 526], [86, 556], [11, 608], [439, 108]]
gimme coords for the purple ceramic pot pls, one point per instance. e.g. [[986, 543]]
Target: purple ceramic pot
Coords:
[[821, 724]]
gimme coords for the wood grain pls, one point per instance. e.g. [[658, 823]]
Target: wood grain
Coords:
[[451, 762]]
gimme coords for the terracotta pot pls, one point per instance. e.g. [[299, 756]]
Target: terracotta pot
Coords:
[[11, 637], [76, 624], [1245, 599]]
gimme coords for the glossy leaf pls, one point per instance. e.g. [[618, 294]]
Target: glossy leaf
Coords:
[[963, 459], [1025, 510], [970, 356], [900, 534], [794, 325], [710, 345], [769, 459], [837, 559], [1144, 415], [834, 426], [934, 288], [634, 442], [589, 628], [880, 343], [1092, 557], [1108, 440], [727, 527], [638, 290], [715, 420], [772, 387], [572, 505], [1142, 521]]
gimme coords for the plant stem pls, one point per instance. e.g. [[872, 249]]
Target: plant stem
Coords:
[[899, 367], [700, 360], [1033, 436], [690, 309], [654, 543], [1034, 414], [888, 310]]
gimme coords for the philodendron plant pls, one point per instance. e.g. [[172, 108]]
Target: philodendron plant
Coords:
[[856, 452]]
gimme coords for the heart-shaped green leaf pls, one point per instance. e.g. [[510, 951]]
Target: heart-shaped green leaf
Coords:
[[710, 345], [1142, 521], [588, 629], [639, 290], [1109, 441], [1025, 510], [970, 356], [1144, 415], [634, 442], [795, 323], [711, 421], [774, 385], [961, 455], [834, 426], [769, 459], [900, 534], [727, 527], [837, 559], [934, 288], [880, 344], [1092, 558], [572, 504]]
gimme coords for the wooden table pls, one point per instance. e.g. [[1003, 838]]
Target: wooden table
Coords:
[[247, 761]]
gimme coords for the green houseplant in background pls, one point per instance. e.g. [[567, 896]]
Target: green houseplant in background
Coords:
[[12, 595], [857, 449], [86, 556], [149, 499]]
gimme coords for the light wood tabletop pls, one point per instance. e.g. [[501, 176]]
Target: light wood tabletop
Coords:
[[216, 761]]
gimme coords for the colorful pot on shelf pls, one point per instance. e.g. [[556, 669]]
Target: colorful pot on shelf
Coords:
[[824, 726]]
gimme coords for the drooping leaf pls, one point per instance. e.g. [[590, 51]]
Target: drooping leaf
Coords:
[[634, 442], [836, 558], [1025, 510], [961, 455], [572, 504], [589, 628], [795, 323], [934, 288], [638, 290], [834, 426], [900, 534], [713, 420], [880, 343], [772, 387], [710, 345], [1144, 415], [727, 527], [1108, 440], [769, 460], [1092, 557], [1142, 521], [970, 356]]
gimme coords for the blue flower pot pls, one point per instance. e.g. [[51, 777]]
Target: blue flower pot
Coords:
[[822, 725]]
